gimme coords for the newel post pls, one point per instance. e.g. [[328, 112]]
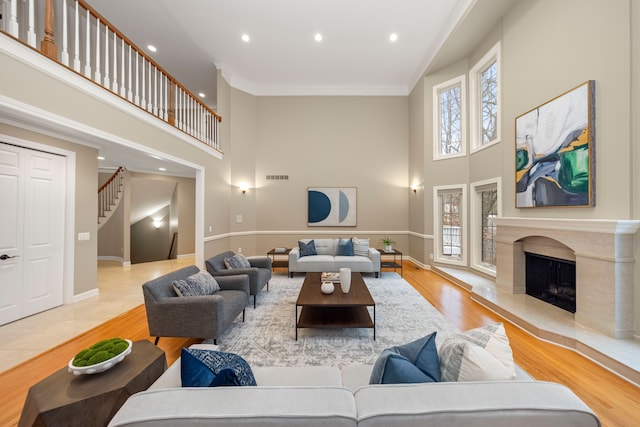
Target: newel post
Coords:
[[48, 45]]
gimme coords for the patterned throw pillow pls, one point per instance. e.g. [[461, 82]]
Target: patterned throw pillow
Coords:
[[201, 283], [307, 249], [481, 354], [360, 246], [209, 368], [345, 247], [237, 261]]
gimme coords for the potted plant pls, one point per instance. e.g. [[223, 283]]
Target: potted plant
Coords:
[[388, 244]]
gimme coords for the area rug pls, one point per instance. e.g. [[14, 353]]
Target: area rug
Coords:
[[267, 336]]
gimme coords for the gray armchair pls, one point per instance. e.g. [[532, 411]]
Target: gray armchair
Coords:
[[206, 317], [259, 273]]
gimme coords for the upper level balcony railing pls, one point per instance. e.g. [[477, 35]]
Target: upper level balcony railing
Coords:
[[76, 36]]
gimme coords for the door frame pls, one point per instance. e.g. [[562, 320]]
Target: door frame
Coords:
[[68, 269]]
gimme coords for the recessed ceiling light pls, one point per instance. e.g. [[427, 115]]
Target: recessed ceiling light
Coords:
[[152, 48], [393, 37], [318, 37], [100, 158], [202, 95], [245, 38], [162, 169]]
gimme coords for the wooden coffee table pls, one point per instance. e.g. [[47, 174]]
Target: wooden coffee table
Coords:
[[336, 310]]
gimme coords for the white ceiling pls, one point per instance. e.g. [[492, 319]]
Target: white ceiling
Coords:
[[149, 196], [195, 38], [355, 57]]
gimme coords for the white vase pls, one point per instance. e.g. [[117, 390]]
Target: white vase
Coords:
[[327, 287], [345, 280], [388, 248]]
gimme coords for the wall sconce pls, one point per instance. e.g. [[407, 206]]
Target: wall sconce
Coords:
[[414, 187], [244, 188], [157, 224]]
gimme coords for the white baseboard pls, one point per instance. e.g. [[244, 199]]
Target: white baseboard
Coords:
[[110, 258], [182, 256], [116, 259], [86, 295], [418, 263]]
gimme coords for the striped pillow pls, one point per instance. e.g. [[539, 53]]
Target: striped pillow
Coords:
[[481, 354], [360, 246]]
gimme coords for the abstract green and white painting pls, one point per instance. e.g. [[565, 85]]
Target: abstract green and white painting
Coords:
[[555, 151]]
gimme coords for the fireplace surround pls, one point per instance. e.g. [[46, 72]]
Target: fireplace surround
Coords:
[[603, 252]]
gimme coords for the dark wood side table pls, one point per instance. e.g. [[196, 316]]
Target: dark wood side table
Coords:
[[64, 399], [391, 264], [279, 259]]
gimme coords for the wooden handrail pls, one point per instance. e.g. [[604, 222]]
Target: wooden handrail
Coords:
[[113, 29], [173, 240], [110, 180]]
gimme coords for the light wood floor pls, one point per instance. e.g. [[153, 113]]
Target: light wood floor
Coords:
[[616, 401]]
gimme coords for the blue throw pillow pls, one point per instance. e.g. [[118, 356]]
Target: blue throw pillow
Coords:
[[399, 370], [345, 247], [194, 373], [307, 249], [209, 368], [225, 378], [421, 353]]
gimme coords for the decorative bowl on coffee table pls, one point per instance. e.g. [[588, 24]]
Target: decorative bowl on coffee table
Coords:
[[102, 366]]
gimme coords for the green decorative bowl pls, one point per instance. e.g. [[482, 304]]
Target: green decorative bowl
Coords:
[[102, 366]]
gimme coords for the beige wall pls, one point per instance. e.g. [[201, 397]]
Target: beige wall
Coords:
[[86, 214], [418, 240], [111, 242], [148, 243], [542, 57], [568, 58], [217, 197], [547, 48], [330, 141]]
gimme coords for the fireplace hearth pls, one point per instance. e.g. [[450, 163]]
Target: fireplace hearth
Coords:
[[551, 280]]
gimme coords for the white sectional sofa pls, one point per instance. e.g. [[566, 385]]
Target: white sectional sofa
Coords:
[[327, 396], [327, 260]]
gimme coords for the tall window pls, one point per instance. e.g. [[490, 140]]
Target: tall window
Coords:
[[450, 224], [489, 210], [485, 206], [484, 80], [489, 103], [448, 118]]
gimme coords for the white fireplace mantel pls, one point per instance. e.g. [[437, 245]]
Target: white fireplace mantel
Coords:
[[605, 261], [609, 226]]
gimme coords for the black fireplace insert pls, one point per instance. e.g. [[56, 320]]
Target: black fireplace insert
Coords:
[[552, 280]]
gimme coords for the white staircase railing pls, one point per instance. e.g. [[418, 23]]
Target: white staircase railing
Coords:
[[109, 196], [94, 48]]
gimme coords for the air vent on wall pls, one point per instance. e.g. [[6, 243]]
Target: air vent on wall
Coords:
[[277, 177]]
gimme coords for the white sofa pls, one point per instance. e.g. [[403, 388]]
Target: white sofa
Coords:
[[327, 396], [327, 260]]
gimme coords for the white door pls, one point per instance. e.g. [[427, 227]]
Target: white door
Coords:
[[32, 196]]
